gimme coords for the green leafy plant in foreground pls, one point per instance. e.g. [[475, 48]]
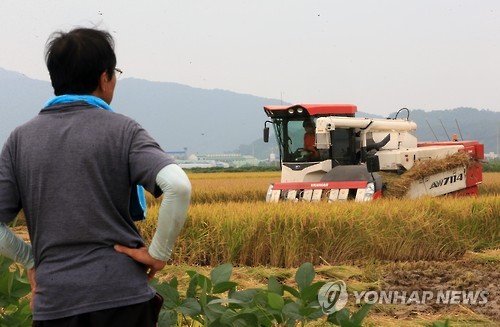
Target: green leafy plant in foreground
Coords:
[[274, 305], [14, 286], [446, 323], [213, 301]]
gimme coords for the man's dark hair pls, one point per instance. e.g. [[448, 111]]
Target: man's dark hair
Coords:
[[77, 59]]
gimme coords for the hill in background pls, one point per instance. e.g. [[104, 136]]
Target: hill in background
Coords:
[[217, 121], [177, 116], [469, 123]]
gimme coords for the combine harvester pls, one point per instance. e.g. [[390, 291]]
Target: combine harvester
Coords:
[[328, 154]]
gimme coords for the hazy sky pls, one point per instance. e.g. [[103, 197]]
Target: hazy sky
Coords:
[[379, 54]]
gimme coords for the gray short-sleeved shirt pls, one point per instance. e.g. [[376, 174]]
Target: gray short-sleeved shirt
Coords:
[[72, 169]]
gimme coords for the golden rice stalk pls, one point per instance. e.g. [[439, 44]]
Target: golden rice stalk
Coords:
[[288, 234]]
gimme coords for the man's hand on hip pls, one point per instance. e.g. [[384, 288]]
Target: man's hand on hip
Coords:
[[142, 255]]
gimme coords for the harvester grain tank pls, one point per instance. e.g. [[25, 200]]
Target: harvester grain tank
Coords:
[[355, 158]]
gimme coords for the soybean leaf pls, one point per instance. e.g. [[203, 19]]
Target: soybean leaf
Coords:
[[228, 316], [245, 296], [306, 311], [6, 279], [311, 313], [5, 263], [246, 320], [273, 285], [167, 318], [265, 318], [189, 307], [339, 317], [10, 282], [260, 299], [22, 277], [275, 301], [191, 273], [20, 287], [310, 293], [270, 315], [221, 273], [203, 299], [205, 283], [19, 316], [174, 282], [24, 308], [359, 315], [217, 300], [291, 311], [223, 286], [193, 283], [291, 290], [305, 275], [170, 296], [3, 302], [214, 311]]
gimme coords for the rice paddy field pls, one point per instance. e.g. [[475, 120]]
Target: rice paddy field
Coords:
[[429, 244], [444, 243]]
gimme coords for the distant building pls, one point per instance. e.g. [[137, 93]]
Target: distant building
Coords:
[[201, 164], [223, 160], [272, 157], [178, 154], [232, 159], [491, 156]]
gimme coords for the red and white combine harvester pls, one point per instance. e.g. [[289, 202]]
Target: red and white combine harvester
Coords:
[[328, 154]]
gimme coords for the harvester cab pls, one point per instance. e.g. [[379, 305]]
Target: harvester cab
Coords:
[[328, 154]]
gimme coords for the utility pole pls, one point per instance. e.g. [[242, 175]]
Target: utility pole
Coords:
[[498, 140]]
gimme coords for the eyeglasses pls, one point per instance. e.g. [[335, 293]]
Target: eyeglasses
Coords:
[[118, 73]]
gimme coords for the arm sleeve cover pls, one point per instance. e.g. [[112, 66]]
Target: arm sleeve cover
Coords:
[[173, 210], [13, 247]]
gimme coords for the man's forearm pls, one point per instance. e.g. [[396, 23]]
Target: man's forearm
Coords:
[[173, 210], [13, 247]]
